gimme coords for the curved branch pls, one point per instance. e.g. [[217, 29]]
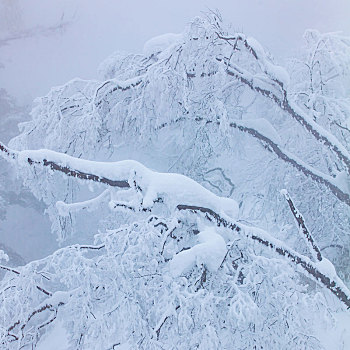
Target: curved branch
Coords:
[[289, 158], [65, 209], [35, 312]]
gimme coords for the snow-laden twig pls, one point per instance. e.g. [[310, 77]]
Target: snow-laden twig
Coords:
[[65, 209], [46, 306], [43, 290], [116, 85], [303, 230], [39, 158], [277, 73]]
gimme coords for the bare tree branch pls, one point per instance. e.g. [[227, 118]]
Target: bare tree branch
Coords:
[[36, 31]]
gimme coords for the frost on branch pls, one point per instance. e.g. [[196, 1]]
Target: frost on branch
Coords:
[[175, 273]]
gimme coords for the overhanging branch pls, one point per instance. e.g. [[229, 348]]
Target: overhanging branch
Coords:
[[263, 238], [7, 153]]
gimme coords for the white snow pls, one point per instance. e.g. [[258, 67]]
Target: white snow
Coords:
[[342, 181], [284, 192], [161, 42], [3, 256], [338, 336], [175, 189], [65, 209], [134, 289], [210, 252], [274, 71], [327, 268], [59, 297], [263, 126]]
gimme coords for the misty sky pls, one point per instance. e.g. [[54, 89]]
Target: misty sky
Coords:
[[31, 65]]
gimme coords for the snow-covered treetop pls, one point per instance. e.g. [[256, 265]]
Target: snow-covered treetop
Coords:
[[178, 154]]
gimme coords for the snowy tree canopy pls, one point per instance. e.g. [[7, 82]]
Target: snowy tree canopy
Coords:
[[201, 252]]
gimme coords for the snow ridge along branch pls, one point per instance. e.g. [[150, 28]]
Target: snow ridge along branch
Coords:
[[215, 209]]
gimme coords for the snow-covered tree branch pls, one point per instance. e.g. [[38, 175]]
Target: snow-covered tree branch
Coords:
[[315, 250], [175, 191], [252, 128], [279, 95], [189, 245]]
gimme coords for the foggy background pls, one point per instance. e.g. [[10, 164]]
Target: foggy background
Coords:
[[45, 43]]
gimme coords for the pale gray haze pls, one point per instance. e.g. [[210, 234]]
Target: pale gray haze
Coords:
[[93, 29]]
